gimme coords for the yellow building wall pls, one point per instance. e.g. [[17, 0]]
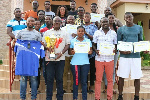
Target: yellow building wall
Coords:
[[137, 8], [145, 18], [28, 5], [120, 11]]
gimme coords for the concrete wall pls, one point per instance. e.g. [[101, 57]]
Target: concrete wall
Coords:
[[27, 4], [5, 13], [145, 19]]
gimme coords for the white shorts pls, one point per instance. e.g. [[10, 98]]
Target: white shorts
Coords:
[[129, 66]]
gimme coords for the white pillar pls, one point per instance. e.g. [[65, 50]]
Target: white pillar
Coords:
[[101, 6], [16, 4]]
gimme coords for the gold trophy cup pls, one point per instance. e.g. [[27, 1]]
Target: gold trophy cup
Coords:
[[51, 41]]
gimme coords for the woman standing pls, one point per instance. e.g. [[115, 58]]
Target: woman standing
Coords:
[[62, 12], [80, 65]]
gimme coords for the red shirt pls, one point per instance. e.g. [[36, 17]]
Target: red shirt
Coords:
[[44, 29]]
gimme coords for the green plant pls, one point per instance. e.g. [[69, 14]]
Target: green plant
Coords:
[[145, 57], [1, 62]]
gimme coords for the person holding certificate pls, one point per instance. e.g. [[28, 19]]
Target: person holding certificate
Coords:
[[104, 39], [129, 62], [80, 47], [90, 30]]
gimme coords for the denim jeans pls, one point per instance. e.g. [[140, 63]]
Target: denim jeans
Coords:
[[92, 71], [82, 76], [43, 65], [23, 86], [54, 69]]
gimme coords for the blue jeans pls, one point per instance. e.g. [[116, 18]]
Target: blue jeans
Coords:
[[23, 86], [54, 69], [43, 65], [82, 76]]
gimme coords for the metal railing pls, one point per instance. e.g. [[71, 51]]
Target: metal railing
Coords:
[[11, 63]]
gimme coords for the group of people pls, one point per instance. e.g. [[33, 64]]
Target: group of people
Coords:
[[38, 24]]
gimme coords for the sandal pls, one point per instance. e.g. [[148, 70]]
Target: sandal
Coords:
[[91, 91], [104, 91], [114, 92]]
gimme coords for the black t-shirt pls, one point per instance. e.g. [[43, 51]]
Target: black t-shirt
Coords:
[[73, 13]]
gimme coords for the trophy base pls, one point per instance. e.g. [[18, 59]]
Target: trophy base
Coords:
[[52, 56]]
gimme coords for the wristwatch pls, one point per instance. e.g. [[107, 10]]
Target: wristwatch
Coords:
[[61, 53]]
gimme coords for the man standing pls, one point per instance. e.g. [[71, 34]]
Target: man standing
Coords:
[[73, 9], [94, 8], [15, 25], [107, 11], [79, 20], [70, 21], [94, 11], [48, 22], [90, 30], [47, 9], [103, 61], [129, 62], [29, 34], [55, 68], [32, 13]]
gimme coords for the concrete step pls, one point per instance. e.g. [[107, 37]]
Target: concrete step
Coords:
[[14, 95], [5, 61], [16, 84], [4, 67], [4, 73]]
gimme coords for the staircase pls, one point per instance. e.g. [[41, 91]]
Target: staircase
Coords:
[[5, 93]]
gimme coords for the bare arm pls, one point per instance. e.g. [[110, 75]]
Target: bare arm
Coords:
[[63, 51], [89, 36], [9, 32], [94, 48]]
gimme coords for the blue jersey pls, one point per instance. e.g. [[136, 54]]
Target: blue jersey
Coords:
[[90, 29], [28, 53], [16, 25]]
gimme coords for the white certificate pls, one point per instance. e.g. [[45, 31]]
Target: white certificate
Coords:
[[141, 46], [72, 29], [125, 46], [106, 49], [82, 47], [96, 17]]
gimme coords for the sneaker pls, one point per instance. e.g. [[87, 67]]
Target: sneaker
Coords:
[[120, 97], [136, 97]]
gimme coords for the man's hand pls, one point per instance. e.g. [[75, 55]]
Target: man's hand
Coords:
[[58, 55], [97, 52], [14, 42], [146, 52], [125, 52], [85, 33], [74, 35], [50, 49], [90, 52], [115, 51], [72, 52], [96, 23]]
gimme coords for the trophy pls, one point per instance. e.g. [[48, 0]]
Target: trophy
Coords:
[[52, 42]]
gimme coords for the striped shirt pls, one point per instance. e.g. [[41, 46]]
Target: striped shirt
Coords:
[[109, 38], [16, 25]]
